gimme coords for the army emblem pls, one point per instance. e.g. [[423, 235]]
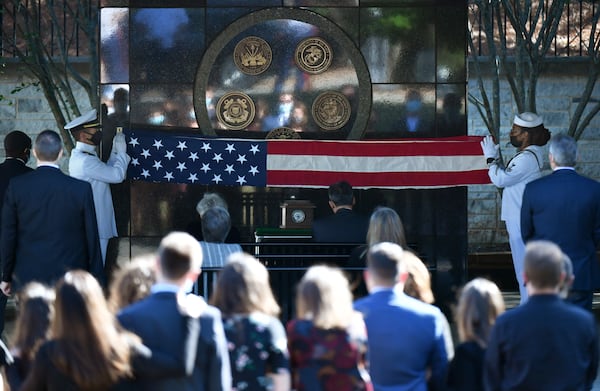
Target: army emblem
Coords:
[[235, 110], [252, 55], [331, 110], [313, 55]]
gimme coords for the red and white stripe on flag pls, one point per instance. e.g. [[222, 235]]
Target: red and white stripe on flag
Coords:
[[415, 163]]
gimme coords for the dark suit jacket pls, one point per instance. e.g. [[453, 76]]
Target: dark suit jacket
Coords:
[[345, 226], [544, 344], [163, 329], [564, 207], [8, 170], [48, 228]]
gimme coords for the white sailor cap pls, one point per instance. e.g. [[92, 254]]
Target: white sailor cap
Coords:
[[528, 120], [85, 121]]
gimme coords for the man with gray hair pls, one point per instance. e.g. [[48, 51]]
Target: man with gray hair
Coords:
[[216, 224], [564, 208], [544, 344]]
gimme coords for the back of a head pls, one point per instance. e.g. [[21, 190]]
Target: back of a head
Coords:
[[418, 282], [80, 303], [208, 201], [384, 262], [385, 225], [132, 282], [216, 224], [36, 310], [90, 347], [48, 146], [543, 264], [243, 287], [178, 254], [16, 142], [324, 296], [563, 149], [340, 193], [479, 305], [569, 277]]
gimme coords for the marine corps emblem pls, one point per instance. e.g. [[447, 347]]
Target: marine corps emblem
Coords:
[[313, 55], [235, 110], [331, 110], [252, 55]]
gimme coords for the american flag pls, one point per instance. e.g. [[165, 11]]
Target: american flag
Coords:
[[427, 163]]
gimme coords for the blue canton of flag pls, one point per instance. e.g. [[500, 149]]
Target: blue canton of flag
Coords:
[[166, 157]]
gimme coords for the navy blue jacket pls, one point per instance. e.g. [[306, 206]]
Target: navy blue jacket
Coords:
[[564, 208]]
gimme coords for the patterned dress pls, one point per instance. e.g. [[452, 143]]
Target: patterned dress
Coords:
[[257, 346], [328, 360]]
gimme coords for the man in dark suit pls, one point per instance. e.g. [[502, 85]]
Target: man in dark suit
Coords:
[[545, 343], [407, 348], [163, 322], [17, 148], [48, 223], [345, 225], [564, 208]]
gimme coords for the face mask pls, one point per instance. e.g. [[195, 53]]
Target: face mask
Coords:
[[96, 138], [515, 143], [413, 105], [285, 108]]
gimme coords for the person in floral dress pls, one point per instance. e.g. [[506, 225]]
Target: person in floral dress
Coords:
[[327, 341], [256, 338]]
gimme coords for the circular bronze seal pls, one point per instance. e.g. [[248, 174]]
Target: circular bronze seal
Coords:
[[252, 55], [331, 110], [313, 55], [235, 110], [283, 133]]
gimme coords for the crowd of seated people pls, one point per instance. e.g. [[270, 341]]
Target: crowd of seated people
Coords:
[[154, 334]]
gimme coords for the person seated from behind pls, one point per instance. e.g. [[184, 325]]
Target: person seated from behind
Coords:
[[345, 225], [479, 305], [385, 225], [210, 200], [32, 328], [215, 227]]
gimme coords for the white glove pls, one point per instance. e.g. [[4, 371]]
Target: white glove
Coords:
[[119, 143], [490, 150]]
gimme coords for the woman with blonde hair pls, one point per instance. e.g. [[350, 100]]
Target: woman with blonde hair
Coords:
[[256, 338], [87, 350], [479, 305], [327, 340]]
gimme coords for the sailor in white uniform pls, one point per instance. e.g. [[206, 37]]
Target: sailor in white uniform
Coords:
[[84, 164], [528, 135]]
